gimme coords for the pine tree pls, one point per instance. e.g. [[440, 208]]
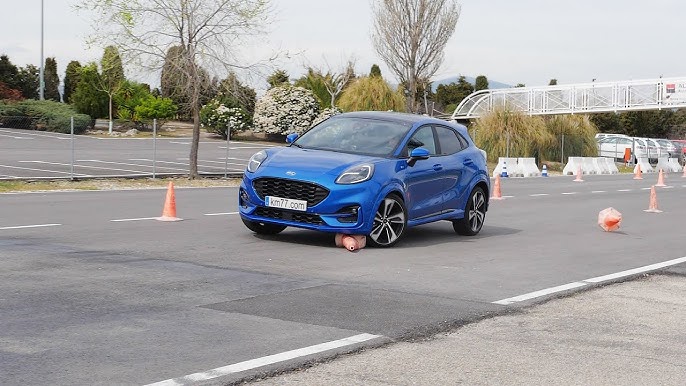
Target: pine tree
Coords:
[[71, 79], [52, 80]]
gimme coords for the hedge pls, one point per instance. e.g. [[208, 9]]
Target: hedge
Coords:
[[43, 115]]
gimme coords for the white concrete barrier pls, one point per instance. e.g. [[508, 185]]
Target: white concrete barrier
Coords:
[[528, 168], [611, 166], [645, 166], [512, 167], [663, 163], [572, 166], [674, 163], [599, 163], [588, 166]]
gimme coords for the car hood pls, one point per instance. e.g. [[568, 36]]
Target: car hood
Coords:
[[293, 162]]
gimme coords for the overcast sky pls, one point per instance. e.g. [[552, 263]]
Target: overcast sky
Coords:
[[510, 41]]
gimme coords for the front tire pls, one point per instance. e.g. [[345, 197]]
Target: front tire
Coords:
[[263, 228], [474, 214], [390, 222]]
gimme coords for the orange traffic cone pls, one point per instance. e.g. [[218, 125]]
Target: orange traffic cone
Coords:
[[609, 219], [169, 211], [660, 179], [496, 189], [638, 175], [652, 207], [351, 242], [578, 175]]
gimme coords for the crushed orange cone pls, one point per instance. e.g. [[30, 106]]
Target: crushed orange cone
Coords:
[[497, 195], [652, 207], [660, 179], [637, 172], [578, 175], [609, 219], [169, 210], [351, 242]]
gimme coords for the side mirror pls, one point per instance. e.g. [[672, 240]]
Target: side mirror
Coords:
[[417, 154], [290, 138]]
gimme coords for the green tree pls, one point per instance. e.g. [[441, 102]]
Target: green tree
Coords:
[[156, 108], [175, 82], [371, 93], [453, 93], [233, 93], [71, 79], [28, 81], [8, 72], [208, 33], [553, 82], [518, 85], [112, 76], [278, 78], [88, 98], [129, 96], [481, 83], [375, 71], [607, 122], [52, 80]]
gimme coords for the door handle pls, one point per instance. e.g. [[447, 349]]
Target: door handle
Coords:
[[438, 167]]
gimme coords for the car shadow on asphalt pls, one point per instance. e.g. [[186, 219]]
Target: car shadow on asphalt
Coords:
[[425, 235]]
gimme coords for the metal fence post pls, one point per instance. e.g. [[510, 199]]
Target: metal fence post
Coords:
[[72, 148], [562, 152], [507, 151], [226, 161], [154, 146]]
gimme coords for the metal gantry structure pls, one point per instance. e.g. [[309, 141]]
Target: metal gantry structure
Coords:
[[593, 97]]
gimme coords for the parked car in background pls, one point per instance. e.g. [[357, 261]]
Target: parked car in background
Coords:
[[680, 144], [653, 150], [368, 173], [615, 147], [667, 148]]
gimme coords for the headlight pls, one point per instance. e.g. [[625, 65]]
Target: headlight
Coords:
[[256, 160], [356, 174]]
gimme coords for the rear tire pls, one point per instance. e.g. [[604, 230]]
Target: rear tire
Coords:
[[263, 228], [474, 214]]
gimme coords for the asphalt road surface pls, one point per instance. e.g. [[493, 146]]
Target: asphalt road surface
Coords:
[[26, 154], [93, 290]]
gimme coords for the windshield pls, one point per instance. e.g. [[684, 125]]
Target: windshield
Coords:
[[355, 135]]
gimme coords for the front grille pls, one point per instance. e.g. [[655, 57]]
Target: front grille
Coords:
[[279, 214], [296, 190]]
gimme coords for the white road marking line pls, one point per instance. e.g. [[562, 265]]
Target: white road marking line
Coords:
[[134, 219], [42, 170], [507, 196], [180, 163], [217, 162], [267, 360], [220, 214], [645, 188], [599, 191], [593, 280], [667, 187], [543, 292], [15, 137], [54, 136], [623, 190], [85, 166], [538, 195], [569, 193], [31, 226], [634, 271], [127, 164]]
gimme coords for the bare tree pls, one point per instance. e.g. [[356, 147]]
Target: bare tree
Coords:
[[410, 36], [335, 83], [207, 32]]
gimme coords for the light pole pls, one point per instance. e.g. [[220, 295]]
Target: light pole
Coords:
[[41, 88]]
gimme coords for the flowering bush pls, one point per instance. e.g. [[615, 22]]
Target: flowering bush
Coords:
[[216, 118], [326, 114], [285, 109]]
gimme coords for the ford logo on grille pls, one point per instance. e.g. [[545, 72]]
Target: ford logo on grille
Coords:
[[290, 173]]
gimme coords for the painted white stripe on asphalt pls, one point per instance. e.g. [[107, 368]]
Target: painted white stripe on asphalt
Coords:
[[219, 214], [15, 137], [667, 187], [267, 360], [134, 219], [128, 164], [543, 292], [623, 190], [599, 191], [507, 196], [569, 193], [539, 194], [593, 280], [634, 271], [84, 166], [645, 188], [31, 226], [42, 170]]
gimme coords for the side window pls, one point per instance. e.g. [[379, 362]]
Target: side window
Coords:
[[449, 141], [424, 137]]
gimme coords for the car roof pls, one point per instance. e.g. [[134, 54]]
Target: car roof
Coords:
[[395, 116]]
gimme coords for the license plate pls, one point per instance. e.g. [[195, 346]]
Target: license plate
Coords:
[[285, 203]]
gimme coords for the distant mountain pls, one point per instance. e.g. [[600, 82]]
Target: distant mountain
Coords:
[[492, 84]]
